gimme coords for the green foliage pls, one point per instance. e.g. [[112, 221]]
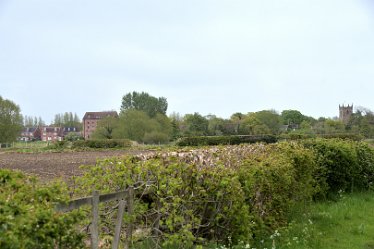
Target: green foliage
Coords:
[[227, 194], [296, 135], [27, 216], [73, 136], [105, 128], [270, 119], [138, 126], [144, 102], [346, 223], [293, 117], [225, 140], [67, 119], [345, 165], [10, 121], [96, 144], [196, 125]]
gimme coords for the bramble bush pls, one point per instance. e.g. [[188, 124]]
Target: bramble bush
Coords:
[[27, 216]]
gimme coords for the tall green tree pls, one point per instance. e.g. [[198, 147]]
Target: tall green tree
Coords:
[[10, 121], [67, 119], [292, 117], [105, 128], [271, 119], [30, 121], [195, 125], [144, 102], [138, 126], [251, 125]]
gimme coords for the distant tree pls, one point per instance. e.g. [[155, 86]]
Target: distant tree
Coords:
[[292, 117], [138, 126], [271, 119], [144, 102], [29, 121], [362, 122], [251, 125], [237, 119], [67, 119], [105, 128], [195, 125], [216, 126], [176, 122], [10, 121]]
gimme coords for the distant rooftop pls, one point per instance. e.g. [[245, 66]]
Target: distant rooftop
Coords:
[[99, 115]]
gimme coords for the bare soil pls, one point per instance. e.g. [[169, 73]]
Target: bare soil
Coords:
[[52, 165]]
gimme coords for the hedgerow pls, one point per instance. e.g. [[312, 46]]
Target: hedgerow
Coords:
[[96, 144], [344, 165], [225, 140], [214, 194], [188, 197], [27, 216]]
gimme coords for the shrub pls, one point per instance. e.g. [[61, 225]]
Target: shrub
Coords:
[[344, 165], [234, 192], [110, 143], [27, 216], [225, 140], [155, 137]]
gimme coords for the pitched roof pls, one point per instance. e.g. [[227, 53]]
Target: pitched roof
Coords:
[[29, 129], [99, 115]]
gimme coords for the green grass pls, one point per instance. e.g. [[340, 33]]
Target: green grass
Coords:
[[345, 224]]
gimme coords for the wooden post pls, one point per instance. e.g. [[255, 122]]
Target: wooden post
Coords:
[[117, 232], [130, 209], [95, 220]]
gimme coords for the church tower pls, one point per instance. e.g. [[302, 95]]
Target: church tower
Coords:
[[345, 113]]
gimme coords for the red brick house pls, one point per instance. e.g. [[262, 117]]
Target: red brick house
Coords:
[[90, 120], [30, 134], [52, 133]]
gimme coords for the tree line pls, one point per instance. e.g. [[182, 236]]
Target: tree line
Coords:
[[143, 119]]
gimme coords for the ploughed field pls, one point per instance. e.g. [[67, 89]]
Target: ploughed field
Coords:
[[51, 165]]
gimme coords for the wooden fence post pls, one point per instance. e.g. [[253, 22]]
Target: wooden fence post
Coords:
[[95, 220], [117, 232], [130, 209]]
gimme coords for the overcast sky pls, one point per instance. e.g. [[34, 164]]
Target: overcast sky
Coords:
[[207, 56]]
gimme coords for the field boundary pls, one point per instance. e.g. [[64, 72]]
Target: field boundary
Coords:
[[125, 200]]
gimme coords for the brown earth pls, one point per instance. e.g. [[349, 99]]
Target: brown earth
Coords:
[[51, 165]]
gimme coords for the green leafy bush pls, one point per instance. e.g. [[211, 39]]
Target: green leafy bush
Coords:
[[301, 136], [27, 216], [109, 143], [215, 194], [344, 165], [225, 140]]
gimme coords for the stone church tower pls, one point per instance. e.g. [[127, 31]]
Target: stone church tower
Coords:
[[345, 113]]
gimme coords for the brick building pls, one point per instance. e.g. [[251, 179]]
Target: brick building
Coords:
[[30, 134], [52, 133], [90, 120]]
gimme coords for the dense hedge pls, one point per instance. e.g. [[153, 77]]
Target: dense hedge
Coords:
[[242, 139], [27, 216], [233, 192], [223, 194], [344, 165], [109, 143], [300, 136], [225, 140]]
